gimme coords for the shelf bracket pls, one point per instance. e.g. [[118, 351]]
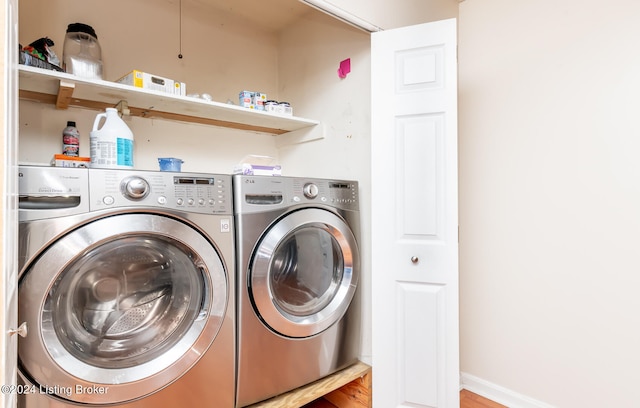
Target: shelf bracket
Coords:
[[123, 108], [65, 92]]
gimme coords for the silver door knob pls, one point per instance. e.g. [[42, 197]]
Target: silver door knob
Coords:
[[20, 331], [414, 259]]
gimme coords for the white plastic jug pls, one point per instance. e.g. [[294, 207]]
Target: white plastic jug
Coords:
[[112, 144]]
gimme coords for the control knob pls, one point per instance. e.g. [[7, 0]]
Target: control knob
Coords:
[[135, 188], [310, 190]]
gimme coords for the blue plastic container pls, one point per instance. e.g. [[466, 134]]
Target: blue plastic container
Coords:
[[170, 164]]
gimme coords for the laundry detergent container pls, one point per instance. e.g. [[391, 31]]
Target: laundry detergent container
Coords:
[[111, 142]]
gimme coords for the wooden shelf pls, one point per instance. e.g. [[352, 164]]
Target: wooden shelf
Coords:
[[348, 388], [66, 90]]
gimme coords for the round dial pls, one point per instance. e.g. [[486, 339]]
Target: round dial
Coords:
[[135, 188], [310, 190]]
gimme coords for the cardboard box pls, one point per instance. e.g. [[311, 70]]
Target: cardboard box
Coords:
[[259, 99], [145, 80], [180, 88], [61, 160], [245, 99], [252, 100]]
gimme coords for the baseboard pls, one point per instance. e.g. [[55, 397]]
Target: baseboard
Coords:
[[498, 393]]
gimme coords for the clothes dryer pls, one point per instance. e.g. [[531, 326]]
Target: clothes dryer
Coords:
[[298, 269], [126, 287]]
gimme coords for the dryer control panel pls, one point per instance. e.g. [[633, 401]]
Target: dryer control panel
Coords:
[[191, 192], [341, 194], [261, 193]]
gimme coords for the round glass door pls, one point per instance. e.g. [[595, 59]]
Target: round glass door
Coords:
[[131, 301], [125, 302], [304, 273]]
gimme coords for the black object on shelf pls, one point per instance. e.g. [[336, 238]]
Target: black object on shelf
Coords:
[[30, 60]]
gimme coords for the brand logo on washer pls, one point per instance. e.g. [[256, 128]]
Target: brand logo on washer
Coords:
[[249, 181]]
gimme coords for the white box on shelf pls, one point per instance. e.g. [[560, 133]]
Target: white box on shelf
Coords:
[[145, 80], [180, 88]]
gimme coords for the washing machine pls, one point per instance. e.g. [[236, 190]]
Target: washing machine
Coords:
[[298, 269], [126, 288]]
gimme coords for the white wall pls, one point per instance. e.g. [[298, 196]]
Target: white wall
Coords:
[[550, 198]]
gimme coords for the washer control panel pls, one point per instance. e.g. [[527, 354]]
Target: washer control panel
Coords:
[[191, 192]]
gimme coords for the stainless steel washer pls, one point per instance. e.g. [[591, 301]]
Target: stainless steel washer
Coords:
[[298, 270], [127, 288]]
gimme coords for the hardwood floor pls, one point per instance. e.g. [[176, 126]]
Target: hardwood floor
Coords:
[[467, 400], [471, 400]]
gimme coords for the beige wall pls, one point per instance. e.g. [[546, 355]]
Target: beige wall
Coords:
[[550, 198], [222, 55]]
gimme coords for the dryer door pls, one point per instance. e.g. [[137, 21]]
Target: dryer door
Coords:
[[304, 272], [120, 308]]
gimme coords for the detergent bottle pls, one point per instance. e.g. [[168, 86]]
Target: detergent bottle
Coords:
[[111, 144], [71, 140]]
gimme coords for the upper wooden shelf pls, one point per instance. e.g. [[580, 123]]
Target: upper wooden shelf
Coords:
[[64, 90]]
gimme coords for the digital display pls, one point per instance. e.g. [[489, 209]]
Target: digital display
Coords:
[[339, 185], [204, 181], [193, 180]]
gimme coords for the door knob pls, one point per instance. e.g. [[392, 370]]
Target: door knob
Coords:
[[414, 259], [20, 331]]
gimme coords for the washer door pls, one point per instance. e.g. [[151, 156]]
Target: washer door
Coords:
[[129, 302], [304, 273]]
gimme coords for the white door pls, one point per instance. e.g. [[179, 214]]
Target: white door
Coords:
[[415, 217]]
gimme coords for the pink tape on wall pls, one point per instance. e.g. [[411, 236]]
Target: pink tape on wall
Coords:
[[345, 68]]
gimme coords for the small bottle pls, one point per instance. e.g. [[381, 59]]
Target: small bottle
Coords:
[[71, 140]]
